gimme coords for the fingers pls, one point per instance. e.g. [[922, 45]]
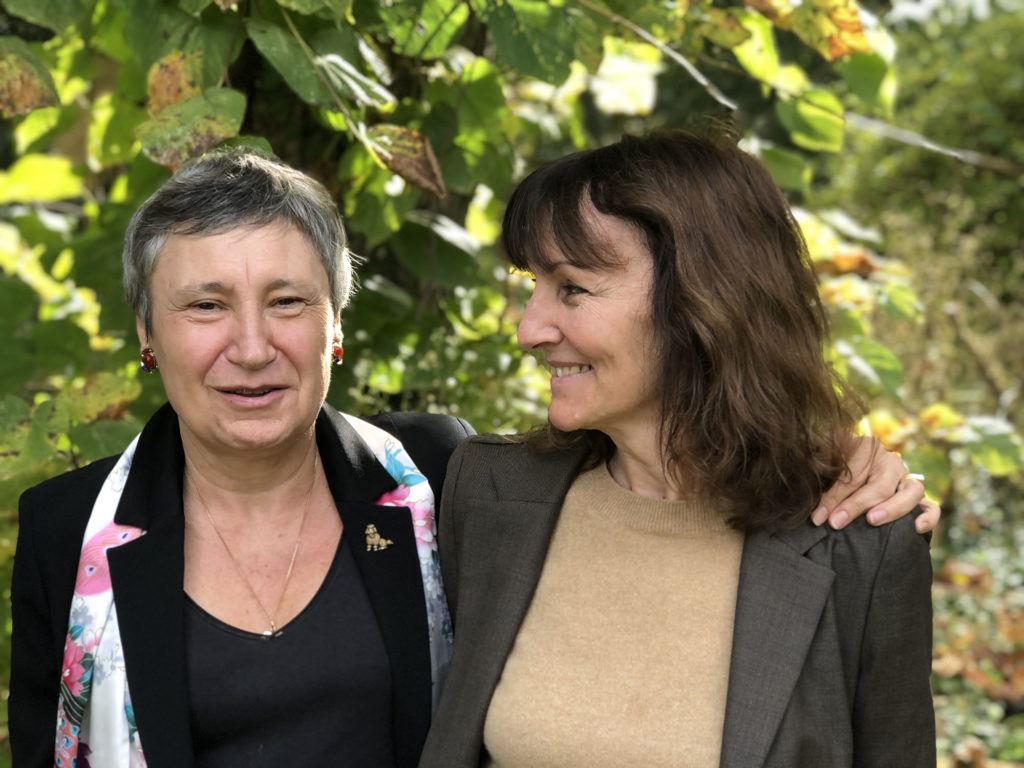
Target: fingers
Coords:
[[860, 462], [929, 517], [909, 493]]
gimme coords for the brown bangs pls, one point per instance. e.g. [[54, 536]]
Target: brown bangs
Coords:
[[546, 218]]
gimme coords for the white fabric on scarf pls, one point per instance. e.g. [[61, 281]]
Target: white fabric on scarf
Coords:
[[95, 720]]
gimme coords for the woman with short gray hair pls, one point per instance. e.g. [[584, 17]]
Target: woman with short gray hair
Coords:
[[254, 580]]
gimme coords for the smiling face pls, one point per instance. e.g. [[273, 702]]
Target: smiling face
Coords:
[[242, 327], [594, 328]]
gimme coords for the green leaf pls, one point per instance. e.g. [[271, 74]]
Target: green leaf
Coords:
[[790, 170], [934, 464], [374, 204], [217, 38], [758, 54], [13, 411], [869, 77], [333, 49], [186, 130], [871, 366], [533, 37], [57, 15], [992, 443], [40, 179], [900, 301], [195, 7], [103, 438], [444, 254], [112, 130], [154, 28], [424, 29], [814, 121], [350, 83], [25, 82]]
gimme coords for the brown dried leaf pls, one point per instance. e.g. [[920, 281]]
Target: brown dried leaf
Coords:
[[408, 153], [25, 83], [173, 79]]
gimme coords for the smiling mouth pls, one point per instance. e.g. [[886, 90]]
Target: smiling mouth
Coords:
[[569, 370], [247, 392]]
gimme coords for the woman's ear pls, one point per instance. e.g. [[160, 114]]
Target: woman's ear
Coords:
[[140, 330]]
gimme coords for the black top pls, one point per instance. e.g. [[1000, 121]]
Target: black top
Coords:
[[319, 693]]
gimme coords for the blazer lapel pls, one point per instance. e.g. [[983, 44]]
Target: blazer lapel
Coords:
[[779, 603], [391, 575], [500, 548], [148, 576]]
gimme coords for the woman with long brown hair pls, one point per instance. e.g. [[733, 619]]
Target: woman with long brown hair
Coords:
[[639, 582]]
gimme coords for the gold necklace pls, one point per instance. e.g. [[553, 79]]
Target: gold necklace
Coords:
[[273, 631]]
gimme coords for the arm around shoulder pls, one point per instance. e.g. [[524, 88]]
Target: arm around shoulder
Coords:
[[894, 721]]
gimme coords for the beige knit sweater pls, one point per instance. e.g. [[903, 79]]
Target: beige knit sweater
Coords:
[[623, 658]]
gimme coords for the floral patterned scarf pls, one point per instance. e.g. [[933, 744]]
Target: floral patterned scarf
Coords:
[[95, 720]]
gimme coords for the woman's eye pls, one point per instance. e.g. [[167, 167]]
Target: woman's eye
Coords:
[[287, 301], [571, 289]]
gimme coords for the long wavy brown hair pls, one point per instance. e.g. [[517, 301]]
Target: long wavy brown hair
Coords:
[[752, 414]]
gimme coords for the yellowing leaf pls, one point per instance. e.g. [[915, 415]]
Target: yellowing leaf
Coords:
[[939, 416], [831, 27], [25, 82], [187, 130], [758, 54], [174, 79]]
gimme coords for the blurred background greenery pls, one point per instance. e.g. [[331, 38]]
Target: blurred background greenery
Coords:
[[896, 131]]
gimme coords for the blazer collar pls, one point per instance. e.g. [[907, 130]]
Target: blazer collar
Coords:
[[779, 603], [148, 577]]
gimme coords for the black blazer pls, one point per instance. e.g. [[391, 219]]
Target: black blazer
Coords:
[[147, 576], [831, 651]]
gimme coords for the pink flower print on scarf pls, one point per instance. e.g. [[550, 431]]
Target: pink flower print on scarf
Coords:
[[422, 515], [73, 671]]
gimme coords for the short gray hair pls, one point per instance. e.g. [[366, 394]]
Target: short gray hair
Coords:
[[232, 189]]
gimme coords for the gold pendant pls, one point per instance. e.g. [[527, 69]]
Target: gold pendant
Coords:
[[374, 541]]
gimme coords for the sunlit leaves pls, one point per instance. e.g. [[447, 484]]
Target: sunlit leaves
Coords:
[[871, 79], [425, 29], [188, 129], [350, 83], [814, 120], [39, 178], [25, 82], [871, 366], [790, 170], [531, 37], [758, 53]]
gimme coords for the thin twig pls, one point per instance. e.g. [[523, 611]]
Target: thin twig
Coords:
[[357, 130], [677, 57]]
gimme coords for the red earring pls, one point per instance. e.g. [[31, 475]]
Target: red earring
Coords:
[[147, 360], [337, 352]]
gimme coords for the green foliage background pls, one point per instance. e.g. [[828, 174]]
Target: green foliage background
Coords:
[[420, 115]]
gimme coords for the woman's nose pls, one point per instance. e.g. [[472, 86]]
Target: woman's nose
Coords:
[[253, 345], [538, 326]]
